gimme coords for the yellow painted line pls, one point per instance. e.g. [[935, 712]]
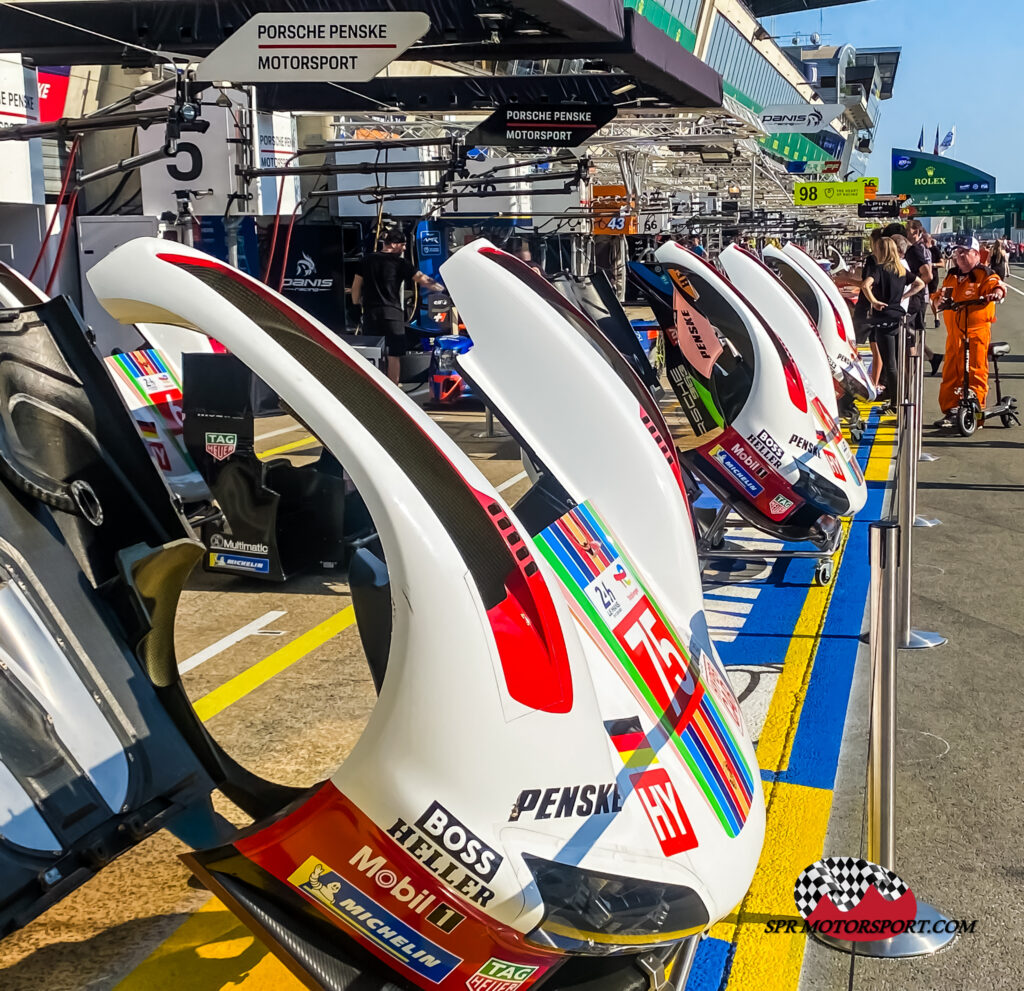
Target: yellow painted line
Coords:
[[249, 680], [880, 459], [776, 741], [293, 446], [211, 951], [794, 838]]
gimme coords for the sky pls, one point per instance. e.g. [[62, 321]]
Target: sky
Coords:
[[955, 68]]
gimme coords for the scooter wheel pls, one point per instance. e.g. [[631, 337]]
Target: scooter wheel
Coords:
[[966, 421], [823, 572], [856, 431], [1007, 419]]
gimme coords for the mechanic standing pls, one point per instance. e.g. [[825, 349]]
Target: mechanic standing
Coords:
[[968, 281], [377, 286]]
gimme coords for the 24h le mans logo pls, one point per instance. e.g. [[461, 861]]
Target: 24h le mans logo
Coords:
[[221, 446]]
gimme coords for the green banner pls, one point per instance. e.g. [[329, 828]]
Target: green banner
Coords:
[[918, 174]]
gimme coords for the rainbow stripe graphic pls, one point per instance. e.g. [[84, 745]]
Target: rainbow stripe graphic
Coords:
[[580, 550], [131, 366]]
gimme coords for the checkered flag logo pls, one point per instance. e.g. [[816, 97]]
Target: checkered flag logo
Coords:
[[846, 881]]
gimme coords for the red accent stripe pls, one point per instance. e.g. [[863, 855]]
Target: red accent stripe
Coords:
[[327, 46]]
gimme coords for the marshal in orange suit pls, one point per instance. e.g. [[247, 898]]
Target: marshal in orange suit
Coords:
[[968, 281]]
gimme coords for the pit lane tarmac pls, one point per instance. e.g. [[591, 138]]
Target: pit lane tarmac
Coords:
[[279, 675]]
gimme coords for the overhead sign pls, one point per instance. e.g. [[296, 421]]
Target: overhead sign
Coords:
[[313, 47], [829, 193], [802, 118], [276, 145], [817, 167], [612, 207], [879, 208], [21, 162], [920, 175], [541, 125], [204, 164]]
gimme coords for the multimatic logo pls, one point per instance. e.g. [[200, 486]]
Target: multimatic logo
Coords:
[[219, 542], [451, 851], [305, 279], [576, 801]]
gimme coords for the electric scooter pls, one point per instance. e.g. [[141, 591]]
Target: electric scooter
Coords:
[[968, 413]]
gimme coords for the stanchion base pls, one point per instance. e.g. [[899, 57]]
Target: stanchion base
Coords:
[[926, 522], [920, 639], [904, 945], [925, 456]]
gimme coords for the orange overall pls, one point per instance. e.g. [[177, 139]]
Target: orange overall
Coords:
[[977, 320]]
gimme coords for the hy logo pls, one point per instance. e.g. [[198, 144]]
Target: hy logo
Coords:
[[838, 893], [305, 266]]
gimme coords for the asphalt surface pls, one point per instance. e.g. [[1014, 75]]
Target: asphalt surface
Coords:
[[960, 796]]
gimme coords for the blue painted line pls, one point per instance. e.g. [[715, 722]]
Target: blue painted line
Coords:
[[709, 965], [815, 753]]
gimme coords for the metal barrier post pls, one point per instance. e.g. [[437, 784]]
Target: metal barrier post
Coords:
[[919, 401], [918, 423], [906, 490], [885, 546]]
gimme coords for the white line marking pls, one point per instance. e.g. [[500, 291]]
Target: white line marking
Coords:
[[737, 591], [1014, 288], [230, 640], [509, 482], [723, 607], [280, 433]]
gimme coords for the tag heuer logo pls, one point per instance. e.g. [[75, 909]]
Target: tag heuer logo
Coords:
[[499, 975], [221, 446]]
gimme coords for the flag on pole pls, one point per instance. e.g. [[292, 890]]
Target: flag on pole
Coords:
[[948, 141], [920, 140], [936, 140]]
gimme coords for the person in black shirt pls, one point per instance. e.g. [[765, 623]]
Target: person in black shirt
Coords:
[[886, 289], [933, 287], [919, 261], [377, 286]]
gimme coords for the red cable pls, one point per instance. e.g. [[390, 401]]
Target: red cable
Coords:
[[287, 246], [60, 200], [69, 219], [277, 221]]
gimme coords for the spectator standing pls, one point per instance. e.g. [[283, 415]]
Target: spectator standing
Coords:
[[998, 260], [933, 287], [886, 288], [695, 246], [377, 286], [862, 308], [919, 261]]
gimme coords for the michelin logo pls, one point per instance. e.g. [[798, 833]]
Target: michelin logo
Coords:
[[373, 922], [240, 562], [734, 468]]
